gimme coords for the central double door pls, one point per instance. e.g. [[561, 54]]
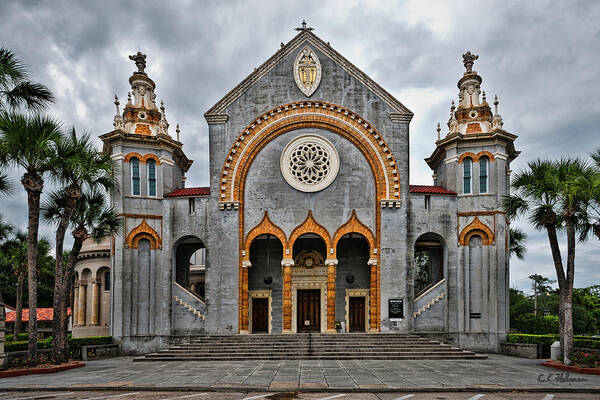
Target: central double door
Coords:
[[309, 311]]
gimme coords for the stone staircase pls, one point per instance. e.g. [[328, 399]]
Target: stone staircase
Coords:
[[429, 304], [352, 346]]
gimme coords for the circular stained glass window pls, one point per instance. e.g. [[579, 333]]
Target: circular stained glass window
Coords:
[[309, 163]]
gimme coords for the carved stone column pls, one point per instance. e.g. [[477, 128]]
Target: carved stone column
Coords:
[[75, 311], [245, 297], [81, 307], [373, 313], [95, 302], [331, 268], [287, 295]]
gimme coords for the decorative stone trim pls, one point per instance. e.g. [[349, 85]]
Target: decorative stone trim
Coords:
[[401, 117], [229, 205], [476, 157], [307, 114], [354, 225], [261, 294], [216, 119], [357, 293], [476, 227], [391, 204], [265, 226], [309, 226], [142, 158], [143, 231]]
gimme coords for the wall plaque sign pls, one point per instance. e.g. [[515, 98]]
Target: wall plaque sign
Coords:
[[395, 309]]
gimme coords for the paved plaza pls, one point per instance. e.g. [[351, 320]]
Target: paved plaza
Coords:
[[495, 373]]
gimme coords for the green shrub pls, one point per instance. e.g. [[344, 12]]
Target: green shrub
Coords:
[[585, 359], [536, 324], [22, 345], [20, 336], [584, 342]]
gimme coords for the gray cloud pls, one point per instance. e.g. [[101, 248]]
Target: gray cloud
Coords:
[[540, 57]]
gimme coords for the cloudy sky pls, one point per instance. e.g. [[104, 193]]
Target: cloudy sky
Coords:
[[540, 57]]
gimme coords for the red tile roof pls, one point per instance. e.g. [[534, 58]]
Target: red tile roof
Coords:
[[43, 314], [193, 191], [430, 190]]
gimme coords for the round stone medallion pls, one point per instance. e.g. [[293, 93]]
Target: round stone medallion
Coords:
[[309, 163]]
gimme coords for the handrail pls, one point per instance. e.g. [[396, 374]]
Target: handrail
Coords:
[[194, 295], [427, 291]]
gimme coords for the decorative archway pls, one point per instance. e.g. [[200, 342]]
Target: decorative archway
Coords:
[[476, 227], [476, 157], [143, 158], [143, 231]]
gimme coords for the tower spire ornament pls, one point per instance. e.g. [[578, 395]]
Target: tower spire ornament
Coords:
[[469, 60], [140, 61], [304, 27]]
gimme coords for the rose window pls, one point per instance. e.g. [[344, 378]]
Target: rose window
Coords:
[[309, 163]]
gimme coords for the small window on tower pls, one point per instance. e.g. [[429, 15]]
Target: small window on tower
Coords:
[[151, 177], [427, 203], [192, 205], [467, 163], [135, 176], [483, 174]]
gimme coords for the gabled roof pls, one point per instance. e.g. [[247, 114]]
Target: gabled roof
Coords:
[[193, 191], [424, 189], [306, 36]]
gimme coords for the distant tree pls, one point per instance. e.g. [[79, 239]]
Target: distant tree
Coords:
[[16, 90], [540, 285], [28, 142]]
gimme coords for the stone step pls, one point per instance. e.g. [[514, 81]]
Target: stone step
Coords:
[[304, 357], [303, 348]]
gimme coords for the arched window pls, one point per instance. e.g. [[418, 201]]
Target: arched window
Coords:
[[107, 280], [135, 176], [483, 174], [467, 164], [151, 164]]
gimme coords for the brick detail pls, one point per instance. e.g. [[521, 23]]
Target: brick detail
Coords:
[[143, 231], [142, 158], [142, 129], [331, 297], [309, 226], [476, 157], [354, 225], [476, 227], [265, 226]]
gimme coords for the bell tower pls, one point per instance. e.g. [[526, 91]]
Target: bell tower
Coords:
[[151, 162], [473, 158]]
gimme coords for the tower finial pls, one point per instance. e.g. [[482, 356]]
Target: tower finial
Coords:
[[304, 27], [117, 104], [177, 131], [496, 102], [140, 61], [438, 130], [469, 60]]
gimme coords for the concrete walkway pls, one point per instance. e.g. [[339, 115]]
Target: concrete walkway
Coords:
[[495, 373]]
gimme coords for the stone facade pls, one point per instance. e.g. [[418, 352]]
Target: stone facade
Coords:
[[280, 257]]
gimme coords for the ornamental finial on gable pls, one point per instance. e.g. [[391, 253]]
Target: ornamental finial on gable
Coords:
[[469, 60], [140, 61], [304, 27]]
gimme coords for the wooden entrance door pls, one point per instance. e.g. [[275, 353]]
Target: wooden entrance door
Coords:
[[309, 309], [356, 318], [260, 315]]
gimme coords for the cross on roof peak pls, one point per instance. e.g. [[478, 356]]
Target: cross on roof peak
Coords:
[[304, 27]]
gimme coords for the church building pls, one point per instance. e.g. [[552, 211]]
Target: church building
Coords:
[[310, 221]]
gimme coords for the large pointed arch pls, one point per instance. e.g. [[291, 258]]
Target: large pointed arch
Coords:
[[265, 226], [354, 225]]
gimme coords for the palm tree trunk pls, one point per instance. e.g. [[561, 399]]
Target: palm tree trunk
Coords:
[[69, 273], [19, 305], [568, 295], [73, 194], [34, 184], [560, 275]]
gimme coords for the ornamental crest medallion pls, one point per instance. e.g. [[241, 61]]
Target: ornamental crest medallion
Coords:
[[307, 71]]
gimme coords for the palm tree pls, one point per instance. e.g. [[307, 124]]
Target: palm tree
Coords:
[[16, 89], [92, 217], [28, 142], [78, 166], [553, 198], [517, 243]]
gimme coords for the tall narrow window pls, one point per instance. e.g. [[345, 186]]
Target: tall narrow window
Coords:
[[483, 175], [135, 176], [151, 164], [467, 163], [107, 280]]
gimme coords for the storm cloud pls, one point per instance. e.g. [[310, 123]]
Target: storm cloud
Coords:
[[541, 58]]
